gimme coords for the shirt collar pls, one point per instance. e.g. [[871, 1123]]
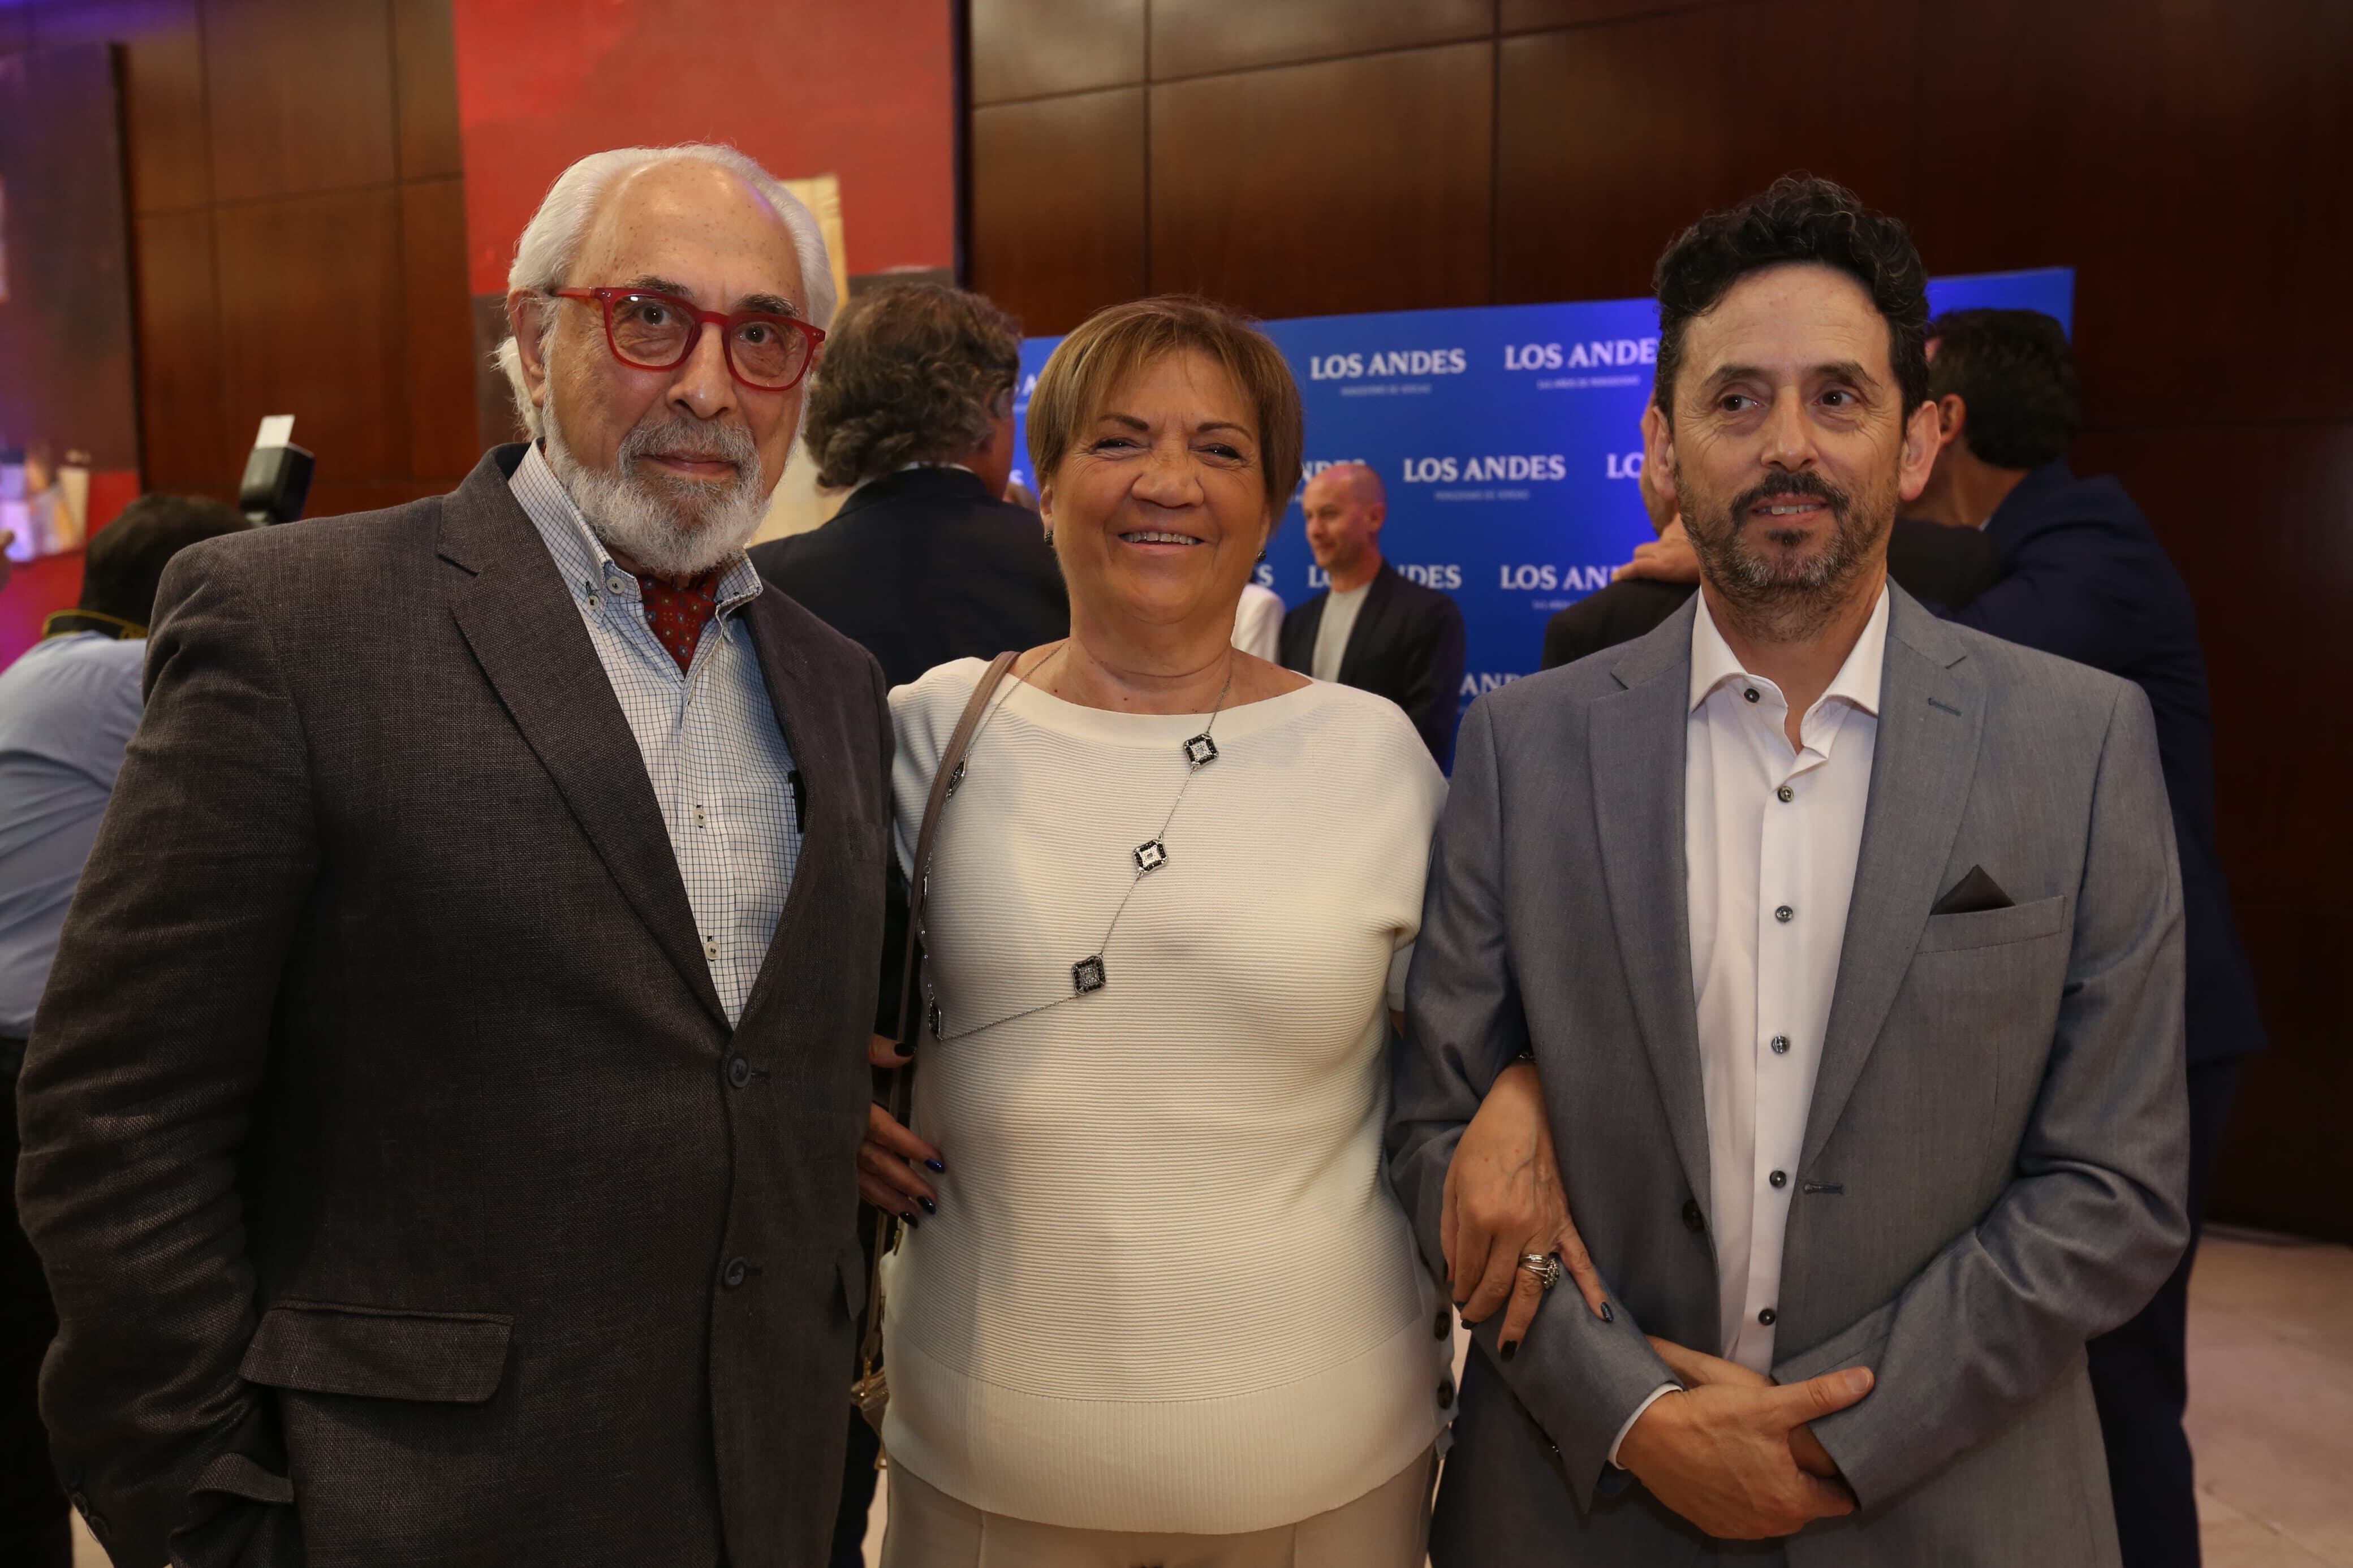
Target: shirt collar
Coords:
[[588, 567], [1713, 662]]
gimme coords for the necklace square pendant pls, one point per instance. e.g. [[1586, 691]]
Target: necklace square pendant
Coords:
[[1087, 974], [1200, 750], [1150, 856]]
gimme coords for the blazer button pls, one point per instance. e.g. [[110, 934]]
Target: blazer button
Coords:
[[1693, 1221], [1445, 1395], [80, 1503], [735, 1273], [739, 1072]]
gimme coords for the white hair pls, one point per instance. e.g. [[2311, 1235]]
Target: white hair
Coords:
[[551, 242]]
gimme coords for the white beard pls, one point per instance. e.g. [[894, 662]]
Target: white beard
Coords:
[[672, 528]]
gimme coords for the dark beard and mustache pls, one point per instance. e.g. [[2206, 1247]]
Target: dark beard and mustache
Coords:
[[670, 526], [1758, 568]]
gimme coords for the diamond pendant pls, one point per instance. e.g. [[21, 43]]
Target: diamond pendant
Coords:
[[955, 779], [1087, 974], [1200, 750], [1150, 856]]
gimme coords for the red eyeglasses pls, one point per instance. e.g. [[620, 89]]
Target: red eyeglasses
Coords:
[[656, 331]]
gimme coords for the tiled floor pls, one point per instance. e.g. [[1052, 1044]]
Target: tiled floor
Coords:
[[2271, 1407]]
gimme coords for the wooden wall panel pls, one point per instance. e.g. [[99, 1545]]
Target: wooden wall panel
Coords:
[[301, 96], [1194, 37], [1059, 205], [1304, 190], [1613, 138], [1527, 16], [425, 87], [184, 445], [311, 325], [437, 323], [2196, 180], [168, 158], [1034, 48]]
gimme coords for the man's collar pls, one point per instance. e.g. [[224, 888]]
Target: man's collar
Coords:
[[1713, 662], [560, 522]]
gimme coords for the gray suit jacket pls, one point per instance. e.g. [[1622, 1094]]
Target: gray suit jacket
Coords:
[[406, 1196], [1997, 1147]]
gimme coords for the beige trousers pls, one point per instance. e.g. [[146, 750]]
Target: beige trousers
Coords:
[[1388, 1526]]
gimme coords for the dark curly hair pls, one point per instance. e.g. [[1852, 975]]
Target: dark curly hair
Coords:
[[2016, 374], [910, 374], [1799, 219]]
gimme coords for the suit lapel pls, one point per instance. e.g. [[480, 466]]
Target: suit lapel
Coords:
[[1931, 714], [799, 710], [1365, 637], [518, 617], [1636, 754]]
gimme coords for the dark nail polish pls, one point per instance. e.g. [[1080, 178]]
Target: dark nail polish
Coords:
[[936, 1166], [909, 1216], [929, 1206], [1511, 1350], [1606, 1315]]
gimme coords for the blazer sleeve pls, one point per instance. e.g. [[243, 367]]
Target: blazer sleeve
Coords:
[[2095, 1217], [2063, 595], [138, 1089], [1580, 1377], [1433, 677]]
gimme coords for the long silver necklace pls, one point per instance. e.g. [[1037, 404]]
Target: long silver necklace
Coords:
[[1089, 974]]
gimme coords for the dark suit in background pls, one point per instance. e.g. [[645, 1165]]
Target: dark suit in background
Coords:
[[923, 566], [2084, 577], [406, 1196], [1407, 646], [1939, 566]]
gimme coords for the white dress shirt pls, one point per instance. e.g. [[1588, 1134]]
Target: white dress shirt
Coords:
[[712, 749], [1770, 837], [1333, 631]]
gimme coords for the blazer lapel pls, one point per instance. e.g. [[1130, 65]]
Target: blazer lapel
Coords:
[[792, 694], [1931, 715], [519, 618], [1366, 637], [1636, 743]]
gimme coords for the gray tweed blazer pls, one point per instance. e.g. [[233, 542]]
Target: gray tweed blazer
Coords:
[[406, 1196], [1998, 1143]]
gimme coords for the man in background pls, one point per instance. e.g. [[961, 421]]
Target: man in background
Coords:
[[2084, 577], [1375, 629], [1938, 566], [68, 709], [912, 413]]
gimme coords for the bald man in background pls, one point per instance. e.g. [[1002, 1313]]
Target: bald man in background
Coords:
[[1375, 629]]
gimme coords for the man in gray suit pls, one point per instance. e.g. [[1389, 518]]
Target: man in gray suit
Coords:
[[439, 1130], [1847, 946]]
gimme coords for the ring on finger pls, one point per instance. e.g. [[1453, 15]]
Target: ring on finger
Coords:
[[1545, 1265]]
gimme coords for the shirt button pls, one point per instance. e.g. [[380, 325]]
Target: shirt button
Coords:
[[1445, 1324], [1767, 1317], [711, 948], [735, 1273], [1780, 1045], [739, 1073], [614, 585], [1445, 1395], [1785, 914], [1778, 1178], [700, 819], [1750, 694], [1693, 1221], [1786, 792]]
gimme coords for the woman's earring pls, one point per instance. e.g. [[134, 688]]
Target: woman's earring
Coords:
[[1262, 554], [1049, 539]]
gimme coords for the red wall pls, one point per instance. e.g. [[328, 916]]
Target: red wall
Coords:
[[860, 89]]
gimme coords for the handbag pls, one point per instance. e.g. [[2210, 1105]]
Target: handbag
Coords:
[[870, 1392]]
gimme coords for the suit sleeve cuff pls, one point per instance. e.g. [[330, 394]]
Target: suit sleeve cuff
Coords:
[[1656, 1394]]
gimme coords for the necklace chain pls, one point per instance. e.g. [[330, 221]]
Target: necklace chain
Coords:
[[1089, 974]]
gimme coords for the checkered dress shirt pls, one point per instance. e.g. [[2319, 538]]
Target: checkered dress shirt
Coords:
[[708, 734]]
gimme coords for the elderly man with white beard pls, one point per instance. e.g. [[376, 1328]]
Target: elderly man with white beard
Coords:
[[439, 1130]]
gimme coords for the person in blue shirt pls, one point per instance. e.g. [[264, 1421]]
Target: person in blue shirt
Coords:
[[2084, 577], [68, 711]]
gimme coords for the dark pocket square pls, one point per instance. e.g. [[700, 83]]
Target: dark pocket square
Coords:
[[1971, 894]]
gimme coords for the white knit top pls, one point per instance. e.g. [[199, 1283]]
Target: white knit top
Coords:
[[1168, 1288]]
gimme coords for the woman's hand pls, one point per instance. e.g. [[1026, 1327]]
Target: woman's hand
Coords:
[[1504, 1198], [886, 1159]]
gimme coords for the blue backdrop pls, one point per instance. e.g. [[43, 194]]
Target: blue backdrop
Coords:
[[1509, 438]]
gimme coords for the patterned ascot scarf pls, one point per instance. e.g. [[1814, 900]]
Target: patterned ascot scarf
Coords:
[[677, 612]]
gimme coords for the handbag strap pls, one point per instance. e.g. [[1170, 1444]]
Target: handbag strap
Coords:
[[943, 780]]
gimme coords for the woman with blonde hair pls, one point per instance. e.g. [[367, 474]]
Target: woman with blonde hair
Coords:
[[1161, 1306]]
